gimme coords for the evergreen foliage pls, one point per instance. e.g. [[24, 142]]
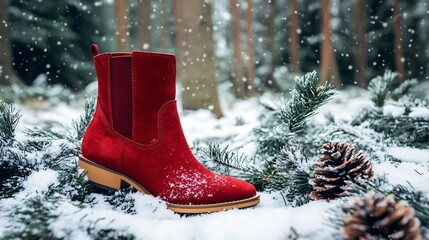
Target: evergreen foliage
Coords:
[[222, 159], [405, 127], [40, 149], [34, 218], [122, 201], [286, 148], [282, 124], [9, 118], [381, 86], [80, 125], [52, 38], [38, 215], [306, 98], [43, 149]]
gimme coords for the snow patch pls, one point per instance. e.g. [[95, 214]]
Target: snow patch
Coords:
[[394, 111], [152, 207], [40, 181], [405, 174], [409, 154], [419, 112], [259, 223]]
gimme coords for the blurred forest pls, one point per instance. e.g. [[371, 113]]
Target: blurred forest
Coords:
[[252, 45]]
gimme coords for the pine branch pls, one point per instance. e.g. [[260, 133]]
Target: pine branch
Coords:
[[288, 172], [381, 86], [403, 129], [226, 157], [34, 219], [279, 127], [83, 121], [123, 201], [385, 87], [223, 159], [43, 149], [307, 97], [9, 118], [404, 89], [36, 215]]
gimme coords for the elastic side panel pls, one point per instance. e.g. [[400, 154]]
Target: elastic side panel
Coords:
[[120, 73]]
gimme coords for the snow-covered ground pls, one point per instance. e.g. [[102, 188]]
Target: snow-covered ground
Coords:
[[269, 220]]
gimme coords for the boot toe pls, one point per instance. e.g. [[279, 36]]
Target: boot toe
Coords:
[[240, 190]]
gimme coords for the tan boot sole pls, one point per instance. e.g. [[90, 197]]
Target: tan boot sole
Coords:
[[112, 180]]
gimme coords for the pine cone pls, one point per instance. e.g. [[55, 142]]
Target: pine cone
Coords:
[[338, 163], [379, 217]]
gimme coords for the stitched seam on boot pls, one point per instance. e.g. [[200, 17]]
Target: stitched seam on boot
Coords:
[[120, 146], [133, 97], [109, 81], [109, 97], [214, 204], [138, 145], [165, 55], [138, 52], [160, 123]]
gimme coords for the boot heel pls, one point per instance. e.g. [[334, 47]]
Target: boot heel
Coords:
[[99, 176]]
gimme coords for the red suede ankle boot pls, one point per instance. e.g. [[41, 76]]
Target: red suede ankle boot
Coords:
[[135, 138]]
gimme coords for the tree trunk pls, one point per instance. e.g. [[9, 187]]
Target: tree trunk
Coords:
[[271, 27], [121, 25], [195, 52], [6, 70], [251, 89], [399, 54], [144, 12], [164, 25], [360, 50], [238, 75], [329, 66], [294, 38]]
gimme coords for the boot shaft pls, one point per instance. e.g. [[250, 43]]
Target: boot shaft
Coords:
[[132, 87]]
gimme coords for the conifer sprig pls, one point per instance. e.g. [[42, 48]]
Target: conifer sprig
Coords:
[[9, 118], [306, 98], [80, 125], [381, 86]]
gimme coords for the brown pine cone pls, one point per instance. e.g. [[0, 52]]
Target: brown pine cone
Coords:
[[337, 163], [379, 217]]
